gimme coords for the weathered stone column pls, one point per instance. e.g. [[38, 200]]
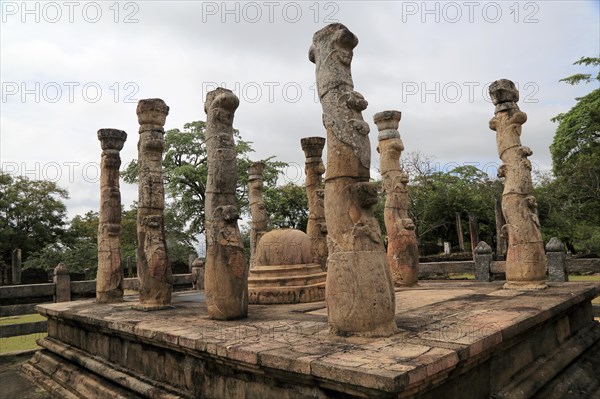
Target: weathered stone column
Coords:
[[500, 233], [483, 262], [109, 279], [16, 266], [153, 268], [258, 212], [360, 294], [316, 228], [525, 258], [402, 250], [198, 274], [226, 276], [62, 283], [555, 253]]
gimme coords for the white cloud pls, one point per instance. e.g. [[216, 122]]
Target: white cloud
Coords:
[[177, 50]]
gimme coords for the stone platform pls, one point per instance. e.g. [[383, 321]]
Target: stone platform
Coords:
[[286, 284], [455, 340]]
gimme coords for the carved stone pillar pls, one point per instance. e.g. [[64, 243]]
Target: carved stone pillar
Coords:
[[402, 250], [226, 276], [154, 271], [525, 258], [109, 280], [258, 212], [316, 228], [360, 294]]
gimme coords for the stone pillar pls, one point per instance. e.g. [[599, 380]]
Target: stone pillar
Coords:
[[109, 280], [258, 212], [461, 241], [555, 253], [360, 294], [198, 274], [447, 248], [483, 262], [50, 274], [16, 267], [500, 233], [525, 258], [402, 249], [316, 228], [154, 271], [473, 232], [191, 259], [226, 277], [62, 283], [129, 267]]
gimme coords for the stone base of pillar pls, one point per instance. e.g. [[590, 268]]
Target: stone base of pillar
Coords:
[[286, 284], [150, 308], [525, 285], [359, 295]]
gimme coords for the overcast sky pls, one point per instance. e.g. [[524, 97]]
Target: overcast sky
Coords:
[[71, 68]]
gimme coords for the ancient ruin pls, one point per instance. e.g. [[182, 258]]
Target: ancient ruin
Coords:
[[259, 217], [283, 265], [109, 280], [402, 250], [360, 294], [154, 270], [525, 257], [284, 270], [226, 275], [316, 228]]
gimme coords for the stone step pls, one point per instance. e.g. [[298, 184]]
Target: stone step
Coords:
[[287, 281], [287, 294], [285, 270]]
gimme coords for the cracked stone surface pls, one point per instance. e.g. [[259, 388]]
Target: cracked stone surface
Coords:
[[441, 327]]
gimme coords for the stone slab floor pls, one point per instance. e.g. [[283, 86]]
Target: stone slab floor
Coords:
[[440, 325]]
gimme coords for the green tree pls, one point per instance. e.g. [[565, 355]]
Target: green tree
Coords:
[[185, 174], [287, 206], [570, 203], [32, 215], [436, 196]]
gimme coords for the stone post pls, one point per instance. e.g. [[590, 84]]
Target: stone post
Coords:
[[525, 258], [500, 233], [153, 268], [461, 240], [360, 294], [198, 274], [16, 267], [259, 222], [191, 259], [50, 274], [483, 262], [473, 232], [109, 280], [62, 283], [555, 253], [129, 267], [402, 248], [226, 276], [316, 228]]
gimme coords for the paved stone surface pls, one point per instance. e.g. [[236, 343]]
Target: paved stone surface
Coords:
[[14, 384], [444, 329]]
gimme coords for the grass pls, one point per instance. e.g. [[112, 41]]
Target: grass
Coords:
[[23, 342], [593, 277], [28, 318]]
